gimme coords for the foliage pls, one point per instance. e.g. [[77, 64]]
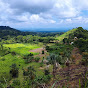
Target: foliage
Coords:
[[14, 71], [66, 34], [37, 59], [15, 83], [82, 44], [41, 64], [46, 72], [42, 51]]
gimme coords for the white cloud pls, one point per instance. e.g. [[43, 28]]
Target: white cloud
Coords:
[[68, 20], [50, 12], [52, 21]]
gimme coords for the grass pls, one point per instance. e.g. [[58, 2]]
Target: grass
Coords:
[[60, 48], [22, 49], [7, 60], [65, 35]]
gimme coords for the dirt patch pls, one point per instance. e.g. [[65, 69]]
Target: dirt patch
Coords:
[[77, 55], [38, 50]]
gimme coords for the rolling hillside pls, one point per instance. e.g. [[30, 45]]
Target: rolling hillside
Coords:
[[65, 35], [77, 32]]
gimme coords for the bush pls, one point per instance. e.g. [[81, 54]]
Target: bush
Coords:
[[15, 83], [28, 60], [42, 51], [41, 64], [13, 53], [47, 47], [37, 59], [14, 71], [25, 73], [46, 72], [43, 79], [30, 54]]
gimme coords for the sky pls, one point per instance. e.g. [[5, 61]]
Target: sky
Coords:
[[34, 14]]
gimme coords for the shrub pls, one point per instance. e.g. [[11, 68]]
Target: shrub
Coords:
[[14, 71], [15, 83], [30, 54], [41, 64], [37, 59], [25, 72], [46, 72], [42, 51], [47, 47], [13, 53]]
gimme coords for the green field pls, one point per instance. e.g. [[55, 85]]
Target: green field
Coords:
[[22, 49]]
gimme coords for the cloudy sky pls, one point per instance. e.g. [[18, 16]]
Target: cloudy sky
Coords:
[[24, 14]]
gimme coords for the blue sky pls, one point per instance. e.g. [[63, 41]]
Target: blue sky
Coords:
[[32, 14]]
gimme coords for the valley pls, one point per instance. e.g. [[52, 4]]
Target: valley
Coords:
[[38, 60]]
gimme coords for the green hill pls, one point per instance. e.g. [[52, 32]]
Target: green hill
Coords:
[[66, 34], [6, 30], [77, 32]]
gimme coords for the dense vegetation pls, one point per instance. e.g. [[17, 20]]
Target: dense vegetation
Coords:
[[40, 60]]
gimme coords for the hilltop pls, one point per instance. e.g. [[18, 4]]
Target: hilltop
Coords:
[[66, 34], [77, 32], [6, 30]]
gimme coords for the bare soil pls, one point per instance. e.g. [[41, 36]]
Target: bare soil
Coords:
[[39, 50]]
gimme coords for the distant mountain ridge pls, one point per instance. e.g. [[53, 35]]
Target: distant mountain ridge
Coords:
[[6, 30]]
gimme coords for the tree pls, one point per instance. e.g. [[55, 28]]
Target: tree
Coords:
[[1, 46], [66, 41], [14, 71], [42, 51]]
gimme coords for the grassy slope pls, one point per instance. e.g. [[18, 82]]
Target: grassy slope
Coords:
[[22, 49], [7, 60], [65, 35]]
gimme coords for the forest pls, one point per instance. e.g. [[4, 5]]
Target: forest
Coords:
[[43, 59]]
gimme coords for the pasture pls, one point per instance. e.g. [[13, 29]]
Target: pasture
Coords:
[[22, 49]]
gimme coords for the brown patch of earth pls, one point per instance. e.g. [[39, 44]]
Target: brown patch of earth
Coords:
[[39, 50]]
